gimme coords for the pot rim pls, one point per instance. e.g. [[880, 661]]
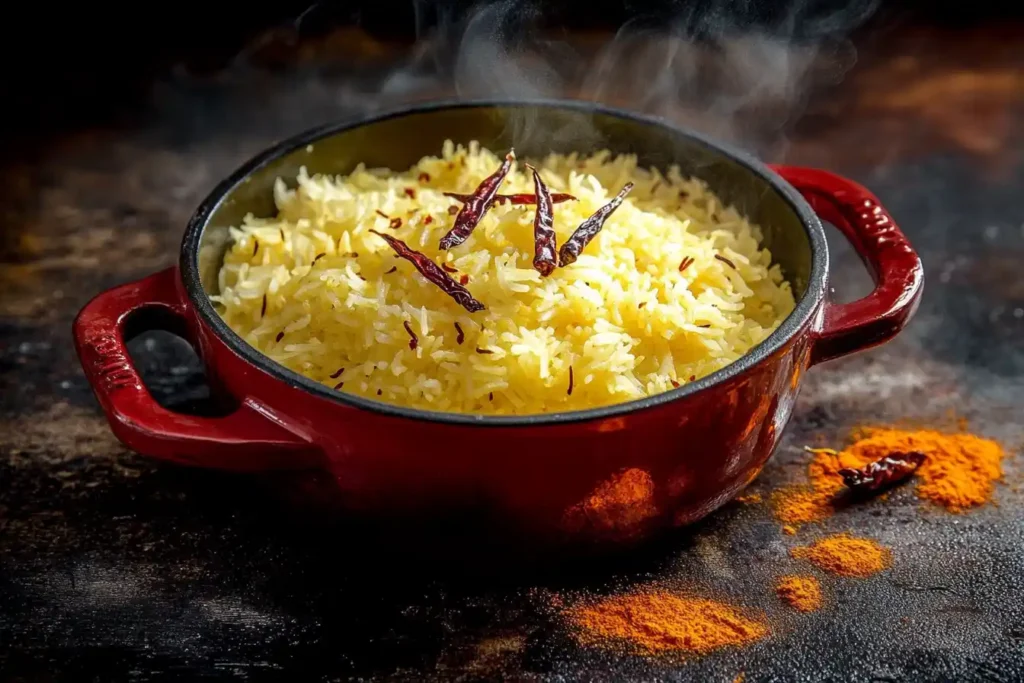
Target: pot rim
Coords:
[[790, 327]]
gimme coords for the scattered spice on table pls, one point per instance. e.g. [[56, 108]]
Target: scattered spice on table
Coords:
[[589, 228], [749, 498], [545, 255], [658, 622], [617, 507], [846, 555], [802, 593], [477, 205], [433, 273]]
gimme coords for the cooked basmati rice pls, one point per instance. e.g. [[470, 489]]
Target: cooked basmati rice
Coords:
[[316, 291]]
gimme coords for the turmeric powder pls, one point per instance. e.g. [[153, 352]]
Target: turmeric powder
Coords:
[[958, 473], [658, 622], [845, 555], [802, 593]]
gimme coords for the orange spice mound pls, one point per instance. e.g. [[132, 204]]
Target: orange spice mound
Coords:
[[845, 555], [959, 472], [802, 593], [798, 505], [658, 622], [618, 506]]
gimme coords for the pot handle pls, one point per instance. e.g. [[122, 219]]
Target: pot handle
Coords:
[[894, 265], [248, 439]]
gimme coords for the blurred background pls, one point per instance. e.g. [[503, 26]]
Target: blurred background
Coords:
[[88, 63]]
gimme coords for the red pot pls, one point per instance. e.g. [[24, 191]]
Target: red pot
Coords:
[[611, 473]]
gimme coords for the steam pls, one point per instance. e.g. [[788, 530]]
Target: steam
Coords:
[[729, 69], [738, 70]]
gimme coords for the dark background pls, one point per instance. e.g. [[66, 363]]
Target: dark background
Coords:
[[83, 62]]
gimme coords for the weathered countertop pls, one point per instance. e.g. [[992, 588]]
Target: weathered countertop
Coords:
[[113, 567]]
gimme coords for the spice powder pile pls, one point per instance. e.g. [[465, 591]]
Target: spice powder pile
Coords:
[[802, 593], [959, 471], [660, 622], [846, 555]]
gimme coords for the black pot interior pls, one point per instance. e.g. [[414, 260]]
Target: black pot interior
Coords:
[[399, 141]]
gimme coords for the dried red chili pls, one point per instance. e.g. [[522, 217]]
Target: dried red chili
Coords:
[[589, 228], [685, 263], [460, 336], [545, 253], [413, 339], [433, 273], [675, 384], [464, 279], [337, 374], [725, 261], [520, 199], [881, 473], [477, 205], [263, 308]]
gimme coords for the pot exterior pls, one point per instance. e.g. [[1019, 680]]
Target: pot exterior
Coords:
[[616, 478]]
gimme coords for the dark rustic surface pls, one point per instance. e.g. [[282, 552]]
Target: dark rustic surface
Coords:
[[113, 567]]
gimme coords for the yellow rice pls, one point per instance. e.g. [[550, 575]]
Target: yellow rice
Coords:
[[623, 317]]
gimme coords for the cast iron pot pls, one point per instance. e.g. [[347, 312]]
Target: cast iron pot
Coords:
[[664, 460]]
